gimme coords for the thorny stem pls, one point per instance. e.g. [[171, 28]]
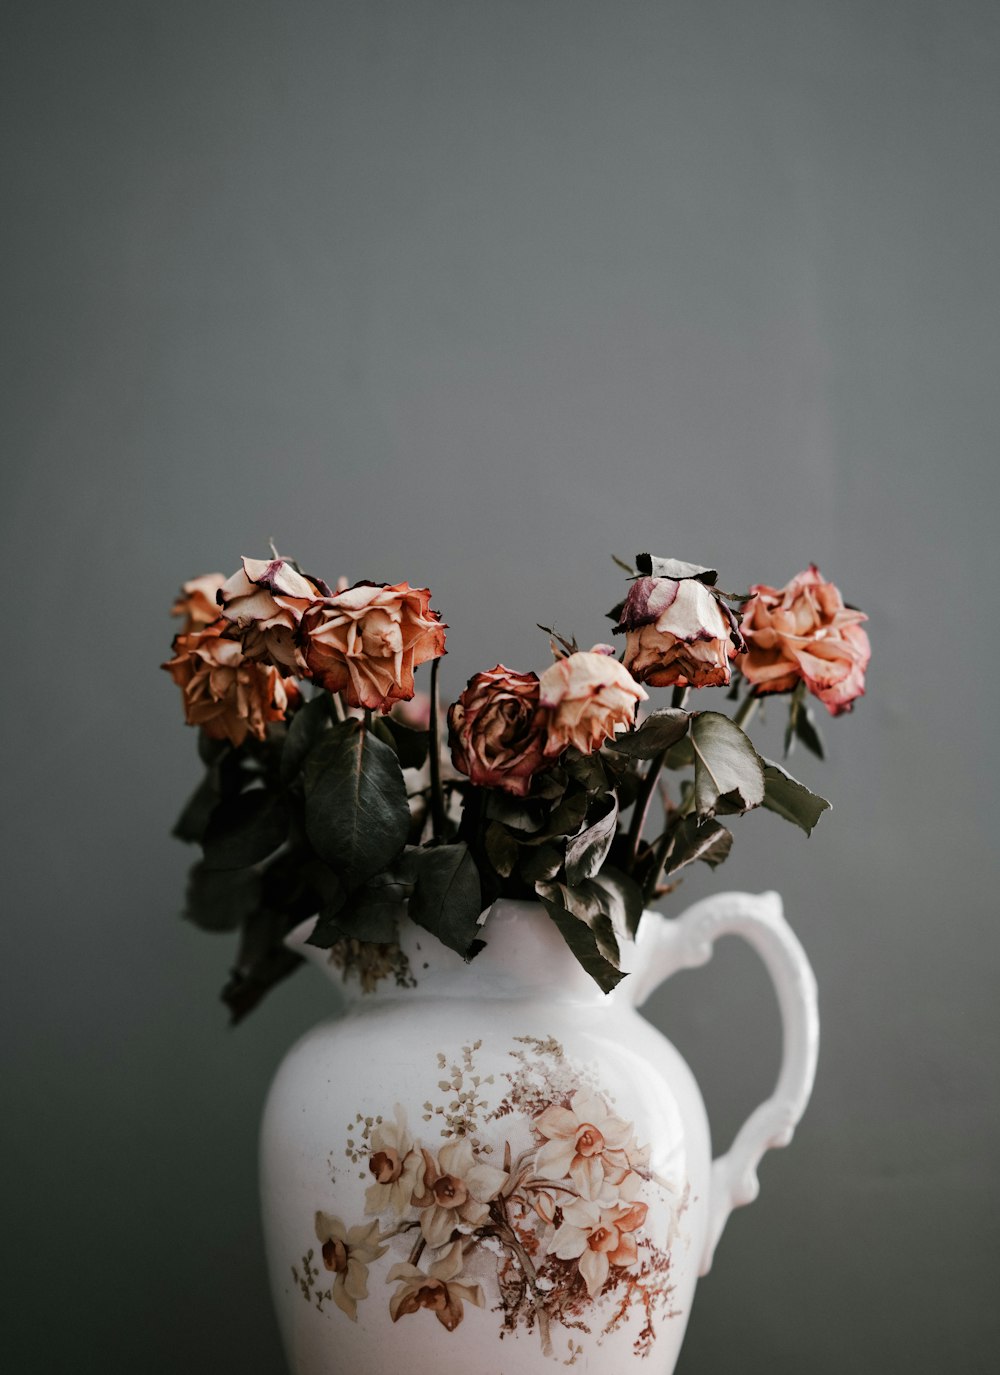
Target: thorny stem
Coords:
[[647, 788], [437, 797]]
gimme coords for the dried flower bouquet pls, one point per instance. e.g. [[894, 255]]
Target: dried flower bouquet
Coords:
[[327, 789]]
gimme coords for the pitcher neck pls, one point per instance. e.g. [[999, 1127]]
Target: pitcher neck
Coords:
[[524, 957]]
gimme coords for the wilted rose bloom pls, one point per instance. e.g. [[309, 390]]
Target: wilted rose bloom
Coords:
[[196, 602], [497, 730], [588, 695], [366, 641], [678, 634], [264, 600], [228, 696], [804, 632]]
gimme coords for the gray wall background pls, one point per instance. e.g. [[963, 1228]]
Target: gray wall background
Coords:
[[476, 295]]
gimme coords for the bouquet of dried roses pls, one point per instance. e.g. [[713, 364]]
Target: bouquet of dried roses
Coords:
[[328, 789]]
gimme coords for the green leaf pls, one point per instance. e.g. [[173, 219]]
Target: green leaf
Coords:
[[221, 899], [681, 755], [808, 733], [357, 815], [728, 771], [541, 862], [520, 814], [331, 896], [370, 914], [696, 838], [501, 849], [564, 820], [193, 821], [791, 799], [411, 745], [658, 732], [794, 704], [625, 902], [586, 769], [587, 851], [577, 928], [263, 961], [245, 829], [309, 724], [447, 897]]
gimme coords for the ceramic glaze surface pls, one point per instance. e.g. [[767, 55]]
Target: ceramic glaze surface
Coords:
[[495, 1167]]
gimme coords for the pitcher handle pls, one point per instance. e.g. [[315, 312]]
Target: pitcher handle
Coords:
[[687, 941]]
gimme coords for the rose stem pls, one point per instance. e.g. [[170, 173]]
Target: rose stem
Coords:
[[338, 706], [647, 788], [437, 797], [746, 710]]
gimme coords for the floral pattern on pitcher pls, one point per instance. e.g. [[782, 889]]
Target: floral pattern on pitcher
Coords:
[[558, 1216]]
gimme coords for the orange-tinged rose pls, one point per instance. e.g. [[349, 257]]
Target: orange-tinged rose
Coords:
[[804, 633], [678, 634], [264, 600], [366, 641], [197, 601], [228, 696], [497, 730], [588, 696]]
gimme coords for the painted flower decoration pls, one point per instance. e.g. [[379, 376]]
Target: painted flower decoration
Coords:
[[678, 633], [589, 695], [803, 632], [597, 1238], [497, 730], [456, 1192], [440, 1288], [586, 1143], [366, 641], [396, 1166], [197, 601], [265, 600], [348, 1254], [228, 696]]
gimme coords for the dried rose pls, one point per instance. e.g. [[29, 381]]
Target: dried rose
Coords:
[[497, 730], [678, 633], [265, 600], [197, 603], [228, 696], [804, 633], [588, 695], [366, 641]]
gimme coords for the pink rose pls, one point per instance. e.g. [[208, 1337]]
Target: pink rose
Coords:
[[678, 633], [804, 633], [196, 602], [588, 696], [497, 730], [366, 641], [265, 600], [228, 696]]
